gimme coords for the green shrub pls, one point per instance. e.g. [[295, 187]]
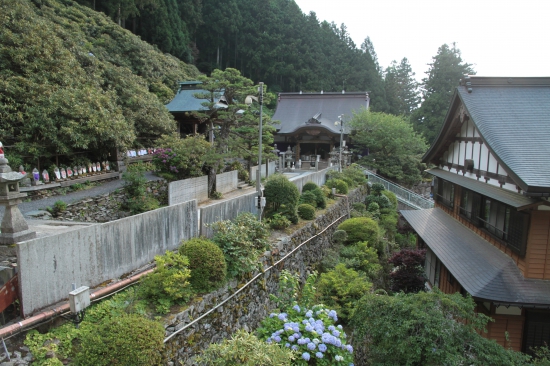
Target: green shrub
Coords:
[[340, 185], [327, 192], [388, 223], [339, 236], [279, 222], [341, 288], [356, 174], [362, 258], [58, 208], [309, 186], [361, 229], [376, 189], [242, 242], [391, 197], [125, 340], [135, 188], [247, 350], [242, 173], [169, 282], [374, 210], [320, 198], [382, 201], [206, 262], [309, 198], [279, 192], [216, 195], [349, 182], [306, 212]]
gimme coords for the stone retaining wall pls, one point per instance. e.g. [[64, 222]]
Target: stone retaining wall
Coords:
[[252, 304]]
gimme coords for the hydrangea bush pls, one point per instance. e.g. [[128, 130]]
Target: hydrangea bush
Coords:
[[311, 333]]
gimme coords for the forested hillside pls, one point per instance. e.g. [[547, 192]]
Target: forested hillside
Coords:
[[72, 80], [267, 40]]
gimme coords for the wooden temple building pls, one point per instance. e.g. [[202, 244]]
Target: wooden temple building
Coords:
[[307, 122]]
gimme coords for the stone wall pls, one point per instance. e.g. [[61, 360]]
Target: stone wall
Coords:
[[188, 189], [227, 182], [244, 306], [270, 170]]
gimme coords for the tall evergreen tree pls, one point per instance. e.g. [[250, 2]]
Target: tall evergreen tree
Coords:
[[437, 90], [401, 88]]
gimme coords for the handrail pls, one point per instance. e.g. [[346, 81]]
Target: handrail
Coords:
[[402, 193]]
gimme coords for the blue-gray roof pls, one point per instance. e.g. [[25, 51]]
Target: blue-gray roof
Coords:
[[512, 116], [185, 101], [295, 110], [482, 270]]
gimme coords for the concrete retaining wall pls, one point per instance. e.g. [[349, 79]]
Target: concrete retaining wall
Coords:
[[226, 210], [270, 170], [187, 190], [227, 182], [92, 255], [318, 178]]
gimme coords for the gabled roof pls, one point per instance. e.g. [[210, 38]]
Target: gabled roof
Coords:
[[185, 101], [481, 269], [297, 110], [512, 116], [505, 196]]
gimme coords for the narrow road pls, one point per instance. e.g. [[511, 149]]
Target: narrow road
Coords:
[[72, 197]]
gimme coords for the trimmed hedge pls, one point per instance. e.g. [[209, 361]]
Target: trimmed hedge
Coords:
[[361, 229], [121, 341], [306, 212], [206, 262]]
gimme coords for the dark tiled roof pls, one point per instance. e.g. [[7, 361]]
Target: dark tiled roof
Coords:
[[481, 269], [185, 101], [513, 117], [294, 110], [505, 196]]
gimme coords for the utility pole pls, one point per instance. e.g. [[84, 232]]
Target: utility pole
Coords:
[[259, 171]]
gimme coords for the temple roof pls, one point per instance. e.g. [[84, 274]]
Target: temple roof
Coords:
[[185, 101], [321, 110]]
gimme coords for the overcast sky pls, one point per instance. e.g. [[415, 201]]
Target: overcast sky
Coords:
[[500, 38]]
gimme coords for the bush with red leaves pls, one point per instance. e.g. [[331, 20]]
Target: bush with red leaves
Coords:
[[408, 274]]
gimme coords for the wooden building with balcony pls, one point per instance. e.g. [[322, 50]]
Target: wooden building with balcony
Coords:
[[489, 233]]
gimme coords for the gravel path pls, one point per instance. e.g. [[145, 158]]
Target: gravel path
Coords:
[[72, 197]]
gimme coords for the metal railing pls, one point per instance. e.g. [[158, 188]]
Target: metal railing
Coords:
[[403, 194]]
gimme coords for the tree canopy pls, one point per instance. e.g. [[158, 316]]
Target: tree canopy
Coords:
[[72, 80], [438, 88], [427, 328], [395, 149]]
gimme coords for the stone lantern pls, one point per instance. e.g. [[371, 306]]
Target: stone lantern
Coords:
[[14, 228]]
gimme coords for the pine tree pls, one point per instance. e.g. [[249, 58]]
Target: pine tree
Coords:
[[437, 90], [401, 88]]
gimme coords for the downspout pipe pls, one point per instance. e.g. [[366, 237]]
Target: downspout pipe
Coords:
[[25, 324]]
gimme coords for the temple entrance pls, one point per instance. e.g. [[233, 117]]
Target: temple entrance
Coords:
[[312, 149]]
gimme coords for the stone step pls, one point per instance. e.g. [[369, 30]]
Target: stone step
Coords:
[[242, 184]]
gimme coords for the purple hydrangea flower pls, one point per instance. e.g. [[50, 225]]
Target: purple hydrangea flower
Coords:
[[306, 356], [277, 339], [319, 355], [287, 345], [322, 347], [311, 346], [291, 338], [297, 308], [336, 333], [294, 347], [282, 316], [349, 348]]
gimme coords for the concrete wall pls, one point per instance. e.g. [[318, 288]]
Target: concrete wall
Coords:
[[92, 255], [318, 178], [226, 210], [227, 182], [187, 190], [270, 170]]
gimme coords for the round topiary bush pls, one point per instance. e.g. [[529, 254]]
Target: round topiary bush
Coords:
[[306, 212], [206, 262], [309, 186], [121, 341], [361, 229], [281, 196], [340, 185], [309, 198]]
